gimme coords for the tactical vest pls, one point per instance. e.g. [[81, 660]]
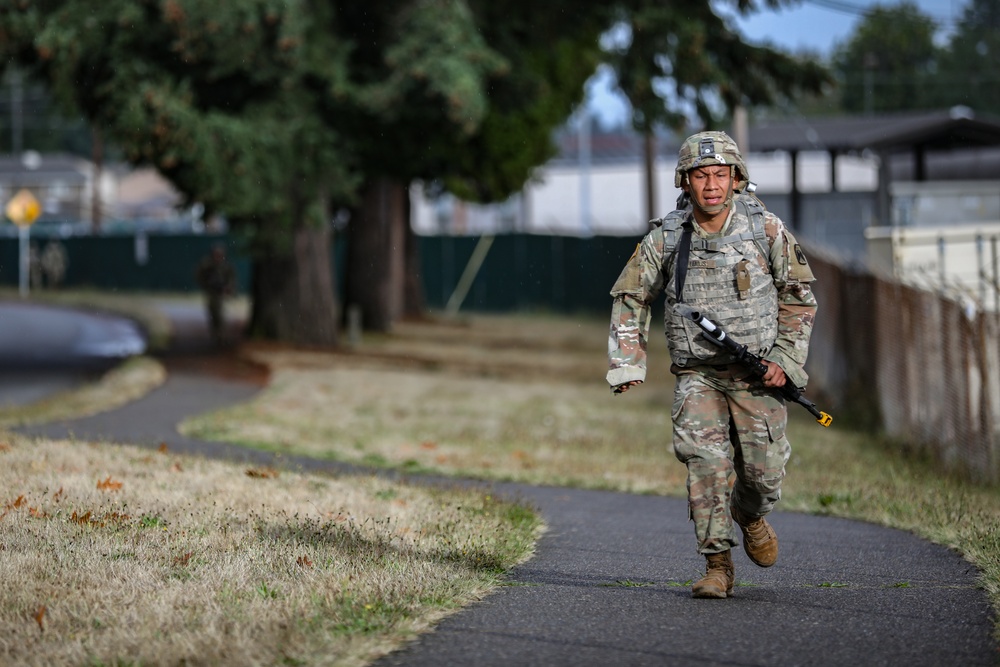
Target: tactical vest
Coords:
[[728, 278]]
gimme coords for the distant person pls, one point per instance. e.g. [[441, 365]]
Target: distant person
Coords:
[[217, 279], [727, 257], [36, 276], [54, 264]]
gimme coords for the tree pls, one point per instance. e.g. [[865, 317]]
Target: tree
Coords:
[[970, 65], [679, 64], [262, 109], [888, 63], [545, 53], [277, 112]]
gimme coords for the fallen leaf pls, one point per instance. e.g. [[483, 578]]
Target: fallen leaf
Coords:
[[20, 501], [115, 517], [428, 445], [108, 485], [37, 513], [262, 473], [176, 467], [183, 560], [303, 561], [58, 494], [81, 518], [162, 448], [4, 447], [39, 617]]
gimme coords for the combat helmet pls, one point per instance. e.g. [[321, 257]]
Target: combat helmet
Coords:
[[708, 148]]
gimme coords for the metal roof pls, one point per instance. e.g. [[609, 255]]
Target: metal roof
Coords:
[[958, 127]]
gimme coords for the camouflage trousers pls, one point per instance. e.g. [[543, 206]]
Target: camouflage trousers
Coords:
[[730, 433]]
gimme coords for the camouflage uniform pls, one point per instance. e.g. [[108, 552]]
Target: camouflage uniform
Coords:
[[728, 429]]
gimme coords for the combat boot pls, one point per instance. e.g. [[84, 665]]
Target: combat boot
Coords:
[[759, 539], [720, 575]]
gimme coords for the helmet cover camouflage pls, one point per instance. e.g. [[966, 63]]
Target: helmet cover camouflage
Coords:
[[708, 148]]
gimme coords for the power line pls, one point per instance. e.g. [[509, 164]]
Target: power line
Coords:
[[852, 9], [838, 6]]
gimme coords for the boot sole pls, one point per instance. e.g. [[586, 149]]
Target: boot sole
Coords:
[[712, 595]]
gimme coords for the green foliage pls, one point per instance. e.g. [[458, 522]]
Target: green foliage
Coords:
[[267, 110], [676, 61], [273, 111], [889, 61], [970, 65], [550, 51]]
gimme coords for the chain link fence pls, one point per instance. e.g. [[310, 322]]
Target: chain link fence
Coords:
[[920, 365]]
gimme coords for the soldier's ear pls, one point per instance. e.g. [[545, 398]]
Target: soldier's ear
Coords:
[[739, 180]]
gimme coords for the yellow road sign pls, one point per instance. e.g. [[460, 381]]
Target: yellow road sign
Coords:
[[23, 209]]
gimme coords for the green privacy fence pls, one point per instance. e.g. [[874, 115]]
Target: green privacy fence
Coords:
[[128, 262], [520, 271]]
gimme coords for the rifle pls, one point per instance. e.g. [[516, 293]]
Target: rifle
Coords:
[[713, 332]]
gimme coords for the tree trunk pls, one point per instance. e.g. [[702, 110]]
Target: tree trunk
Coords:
[[414, 302], [293, 294], [376, 256]]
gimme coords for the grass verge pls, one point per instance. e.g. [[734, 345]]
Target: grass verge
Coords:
[[128, 556], [124, 383]]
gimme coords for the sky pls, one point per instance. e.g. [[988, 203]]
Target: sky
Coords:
[[813, 25]]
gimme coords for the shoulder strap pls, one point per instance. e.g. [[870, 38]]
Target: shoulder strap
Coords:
[[671, 224], [683, 253], [755, 213]]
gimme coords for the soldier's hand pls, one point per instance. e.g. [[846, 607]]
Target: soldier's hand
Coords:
[[775, 376], [622, 388]]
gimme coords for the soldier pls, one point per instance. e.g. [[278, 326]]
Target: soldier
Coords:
[[726, 256], [217, 279]]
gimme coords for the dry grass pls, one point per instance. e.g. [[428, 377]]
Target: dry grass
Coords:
[[122, 384], [506, 398], [524, 399], [128, 556]]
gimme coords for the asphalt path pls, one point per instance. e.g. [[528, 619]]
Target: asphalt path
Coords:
[[46, 349], [610, 582]]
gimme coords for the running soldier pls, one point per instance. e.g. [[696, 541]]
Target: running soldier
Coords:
[[726, 256]]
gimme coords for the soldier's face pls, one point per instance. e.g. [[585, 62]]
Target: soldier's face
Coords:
[[709, 186]]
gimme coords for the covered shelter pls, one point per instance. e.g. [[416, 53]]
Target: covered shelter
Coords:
[[914, 134]]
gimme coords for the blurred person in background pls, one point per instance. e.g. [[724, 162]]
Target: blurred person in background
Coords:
[[217, 279]]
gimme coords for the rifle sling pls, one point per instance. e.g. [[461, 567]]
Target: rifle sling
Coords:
[[683, 255]]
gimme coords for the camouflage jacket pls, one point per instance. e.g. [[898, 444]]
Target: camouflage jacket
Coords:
[[648, 271]]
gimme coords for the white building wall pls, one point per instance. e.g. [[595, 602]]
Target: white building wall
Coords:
[[551, 203]]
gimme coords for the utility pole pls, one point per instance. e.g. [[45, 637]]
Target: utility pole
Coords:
[[584, 157], [649, 162], [16, 112]]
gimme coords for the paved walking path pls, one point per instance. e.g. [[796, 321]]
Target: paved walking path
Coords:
[[610, 582]]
